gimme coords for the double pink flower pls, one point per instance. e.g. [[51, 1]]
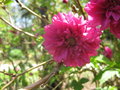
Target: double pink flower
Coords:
[[70, 40], [105, 13]]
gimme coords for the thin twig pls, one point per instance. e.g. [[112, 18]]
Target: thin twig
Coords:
[[6, 10], [13, 65], [35, 67], [16, 28], [16, 76], [8, 84], [43, 80], [80, 8], [24, 7], [32, 12], [9, 74], [58, 85]]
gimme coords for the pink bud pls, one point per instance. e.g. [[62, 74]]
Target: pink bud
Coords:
[[107, 52], [17, 69], [37, 34], [65, 1], [33, 29], [31, 74]]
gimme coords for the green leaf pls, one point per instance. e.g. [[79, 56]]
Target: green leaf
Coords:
[[83, 80], [64, 69], [76, 85], [16, 53], [94, 62], [98, 76], [22, 66], [107, 75], [23, 80], [107, 88], [112, 88], [7, 1], [103, 59]]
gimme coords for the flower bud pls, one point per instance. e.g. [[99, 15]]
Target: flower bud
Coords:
[[65, 1], [107, 52], [33, 29]]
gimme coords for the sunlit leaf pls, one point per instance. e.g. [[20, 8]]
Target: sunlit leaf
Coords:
[[107, 75]]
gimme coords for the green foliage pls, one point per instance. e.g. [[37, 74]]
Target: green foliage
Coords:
[[16, 53], [21, 52], [108, 74], [108, 88], [6, 2], [78, 85], [101, 59], [65, 69]]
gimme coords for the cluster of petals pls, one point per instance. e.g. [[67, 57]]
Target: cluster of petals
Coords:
[[105, 13], [70, 41], [108, 52]]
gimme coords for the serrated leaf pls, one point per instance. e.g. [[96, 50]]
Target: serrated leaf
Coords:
[[103, 59], [98, 76], [64, 69], [76, 85], [94, 62]]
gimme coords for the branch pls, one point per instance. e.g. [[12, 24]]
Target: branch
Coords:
[[49, 61], [80, 8], [16, 28], [8, 84], [9, 74], [43, 80], [13, 65], [16, 76], [6, 10], [32, 12], [58, 85]]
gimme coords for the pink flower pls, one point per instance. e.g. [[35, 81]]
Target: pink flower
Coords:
[[65, 1], [107, 52], [115, 28], [103, 12], [70, 41], [33, 29]]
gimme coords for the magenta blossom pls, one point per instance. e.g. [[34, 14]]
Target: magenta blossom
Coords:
[[115, 28], [70, 41], [65, 1], [104, 12], [107, 52]]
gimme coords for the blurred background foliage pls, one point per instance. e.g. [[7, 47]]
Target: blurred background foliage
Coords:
[[19, 52]]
